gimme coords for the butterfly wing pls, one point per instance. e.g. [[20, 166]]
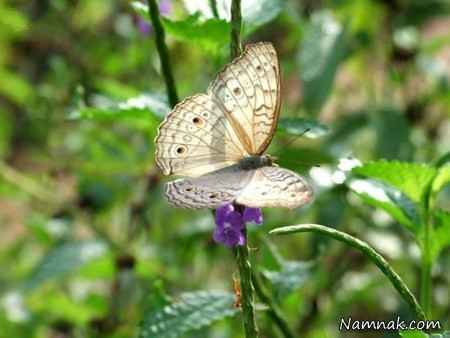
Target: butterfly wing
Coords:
[[196, 138], [236, 117], [275, 187], [258, 188], [248, 90]]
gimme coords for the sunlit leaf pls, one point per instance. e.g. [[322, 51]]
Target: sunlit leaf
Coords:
[[191, 311], [291, 276], [209, 34], [410, 178], [65, 258], [255, 13], [321, 52], [301, 126], [379, 195], [146, 109]]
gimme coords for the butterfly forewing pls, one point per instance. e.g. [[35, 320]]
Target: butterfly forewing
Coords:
[[248, 89], [196, 138]]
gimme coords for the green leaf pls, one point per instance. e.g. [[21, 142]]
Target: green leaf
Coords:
[[413, 334], [65, 258], [410, 178], [291, 276], [442, 179], [396, 204], [255, 13], [391, 145], [298, 126], [441, 232], [210, 34], [322, 50], [140, 8], [191, 311], [421, 334], [147, 109]]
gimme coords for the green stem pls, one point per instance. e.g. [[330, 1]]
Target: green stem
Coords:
[[213, 5], [425, 278], [245, 274], [274, 311], [236, 23], [163, 51], [367, 250]]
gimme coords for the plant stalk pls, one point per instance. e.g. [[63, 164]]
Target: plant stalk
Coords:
[[245, 269], [273, 311], [247, 300], [163, 51], [213, 6], [368, 251]]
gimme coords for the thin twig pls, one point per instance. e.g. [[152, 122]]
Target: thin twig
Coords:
[[236, 23], [163, 51], [273, 310], [368, 251], [213, 5]]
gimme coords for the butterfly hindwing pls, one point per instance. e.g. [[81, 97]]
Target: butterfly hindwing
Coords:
[[257, 188]]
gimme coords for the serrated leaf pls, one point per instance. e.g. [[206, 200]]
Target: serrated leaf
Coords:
[[65, 258], [321, 52], [378, 195], [255, 13], [191, 311], [298, 126], [441, 232], [410, 178], [291, 276], [146, 109], [210, 34]]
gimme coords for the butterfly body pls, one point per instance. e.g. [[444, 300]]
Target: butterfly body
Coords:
[[217, 140], [255, 162]]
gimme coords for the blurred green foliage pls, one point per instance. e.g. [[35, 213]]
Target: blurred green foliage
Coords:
[[89, 246]]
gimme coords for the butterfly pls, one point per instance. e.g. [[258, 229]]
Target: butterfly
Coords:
[[218, 139]]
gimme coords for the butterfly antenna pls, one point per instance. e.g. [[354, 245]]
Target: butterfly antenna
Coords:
[[296, 137]]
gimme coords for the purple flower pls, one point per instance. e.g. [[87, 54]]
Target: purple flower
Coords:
[[165, 7], [143, 26], [230, 224], [253, 215]]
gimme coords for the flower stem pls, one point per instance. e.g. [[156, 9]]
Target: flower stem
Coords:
[[163, 51], [367, 250], [274, 312], [245, 274], [245, 269]]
